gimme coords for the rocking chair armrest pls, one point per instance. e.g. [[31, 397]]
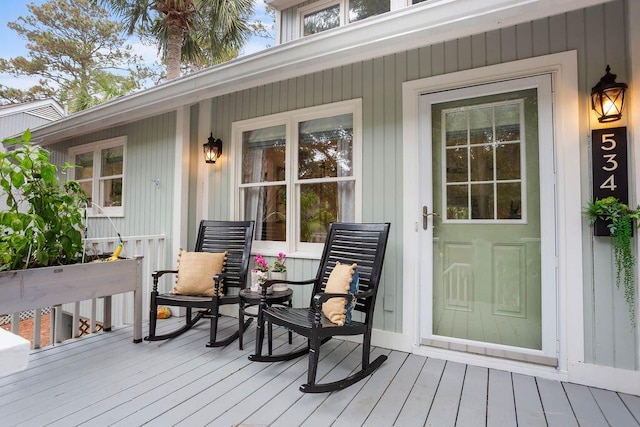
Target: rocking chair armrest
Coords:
[[318, 299], [160, 273]]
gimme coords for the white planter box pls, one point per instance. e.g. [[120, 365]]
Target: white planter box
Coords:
[[29, 289], [14, 353]]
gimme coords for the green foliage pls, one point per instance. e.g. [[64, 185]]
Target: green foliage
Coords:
[[44, 217], [189, 33], [78, 53], [619, 218]]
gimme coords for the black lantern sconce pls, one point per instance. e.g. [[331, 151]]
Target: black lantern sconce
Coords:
[[607, 98], [212, 149]]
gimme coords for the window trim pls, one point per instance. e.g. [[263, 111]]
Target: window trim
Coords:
[[292, 246], [344, 12], [96, 148]]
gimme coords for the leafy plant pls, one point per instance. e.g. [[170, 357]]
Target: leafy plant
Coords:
[[43, 219], [619, 218]]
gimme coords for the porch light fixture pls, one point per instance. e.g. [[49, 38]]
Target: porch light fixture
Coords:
[[607, 98], [212, 149]]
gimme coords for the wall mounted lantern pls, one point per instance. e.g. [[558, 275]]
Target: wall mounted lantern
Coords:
[[212, 149], [607, 98]]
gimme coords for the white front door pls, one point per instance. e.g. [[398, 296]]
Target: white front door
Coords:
[[487, 238]]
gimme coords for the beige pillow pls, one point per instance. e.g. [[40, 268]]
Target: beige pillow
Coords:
[[196, 271], [338, 283]]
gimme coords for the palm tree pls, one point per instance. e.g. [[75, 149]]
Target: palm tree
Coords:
[[189, 32]]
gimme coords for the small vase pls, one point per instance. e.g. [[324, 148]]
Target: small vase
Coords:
[[273, 275], [257, 278]]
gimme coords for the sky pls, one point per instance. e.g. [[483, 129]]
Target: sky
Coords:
[[11, 45]]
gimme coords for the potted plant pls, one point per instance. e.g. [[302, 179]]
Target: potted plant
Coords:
[[259, 273], [619, 218], [41, 244], [279, 272]]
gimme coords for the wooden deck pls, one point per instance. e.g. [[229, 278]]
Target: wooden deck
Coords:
[[105, 379]]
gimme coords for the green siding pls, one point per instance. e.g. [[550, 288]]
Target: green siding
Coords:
[[598, 35]]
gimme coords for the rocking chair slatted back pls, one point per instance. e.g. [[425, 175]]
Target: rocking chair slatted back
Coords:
[[220, 236], [354, 243]]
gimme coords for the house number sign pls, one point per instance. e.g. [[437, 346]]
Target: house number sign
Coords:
[[610, 177]]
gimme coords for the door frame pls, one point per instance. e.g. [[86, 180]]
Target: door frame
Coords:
[[542, 82], [568, 211]]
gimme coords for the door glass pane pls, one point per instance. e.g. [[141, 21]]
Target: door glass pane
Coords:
[[508, 161], [456, 128], [321, 204], [458, 201], [482, 201], [263, 155], [457, 165], [325, 147], [267, 206], [509, 203], [481, 163], [112, 161], [481, 126], [360, 9], [321, 20]]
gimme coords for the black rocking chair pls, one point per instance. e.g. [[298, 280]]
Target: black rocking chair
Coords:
[[234, 237], [363, 244]]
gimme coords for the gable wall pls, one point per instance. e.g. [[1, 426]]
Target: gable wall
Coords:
[[598, 35]]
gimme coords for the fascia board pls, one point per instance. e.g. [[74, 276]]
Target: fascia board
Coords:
[[282, 4], [393, 32]]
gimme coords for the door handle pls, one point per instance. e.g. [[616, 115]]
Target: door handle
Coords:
[[425, 216]]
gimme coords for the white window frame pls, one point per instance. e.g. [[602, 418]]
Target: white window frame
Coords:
[[292, 246], [344, 12], [97, 196]]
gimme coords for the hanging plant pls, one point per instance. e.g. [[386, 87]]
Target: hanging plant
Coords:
[[619, 218]]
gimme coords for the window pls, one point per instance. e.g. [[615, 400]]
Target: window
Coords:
[[299, 171], [329, 14], [484, 162], [100, 172]]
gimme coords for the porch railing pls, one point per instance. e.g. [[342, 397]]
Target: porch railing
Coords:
[[88, 316]]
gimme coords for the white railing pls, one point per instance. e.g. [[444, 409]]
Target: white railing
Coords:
[[152, 250]]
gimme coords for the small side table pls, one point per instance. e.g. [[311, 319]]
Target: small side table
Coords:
[[249, 298]]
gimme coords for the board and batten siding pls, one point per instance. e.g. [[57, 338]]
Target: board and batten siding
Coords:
[[598, 36], [15, 124], [150, 153]]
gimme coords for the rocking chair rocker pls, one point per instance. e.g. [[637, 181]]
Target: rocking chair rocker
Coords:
[[362, 244], [235, 238]]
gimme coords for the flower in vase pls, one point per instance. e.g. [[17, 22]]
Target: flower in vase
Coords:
[[279, 264], [261, 263]]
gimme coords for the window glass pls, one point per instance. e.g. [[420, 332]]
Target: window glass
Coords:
[[361, 9], [321, 20], [112, 161], [84, 166], [325, 147], [323, 203], [112, 192], [293, 202]]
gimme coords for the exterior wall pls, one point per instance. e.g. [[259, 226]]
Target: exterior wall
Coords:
[[598, 36], [289, 22], [149, 155]]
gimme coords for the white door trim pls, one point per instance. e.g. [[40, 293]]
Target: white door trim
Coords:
[[563, 68]]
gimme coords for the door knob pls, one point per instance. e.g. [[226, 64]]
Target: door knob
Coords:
[[425, 216]]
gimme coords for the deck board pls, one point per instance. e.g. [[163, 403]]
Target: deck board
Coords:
[[105, 379]]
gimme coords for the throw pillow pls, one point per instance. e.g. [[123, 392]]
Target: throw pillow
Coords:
[[196, 271], [340, 281]]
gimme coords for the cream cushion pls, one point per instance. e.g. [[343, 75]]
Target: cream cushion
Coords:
[[339, 282], [196, 271]]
